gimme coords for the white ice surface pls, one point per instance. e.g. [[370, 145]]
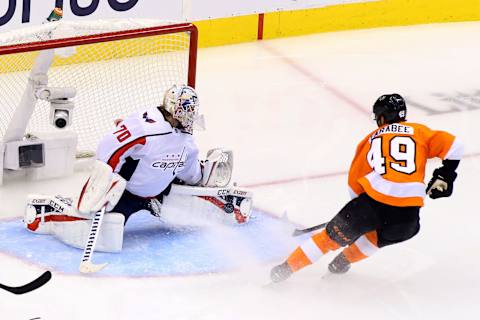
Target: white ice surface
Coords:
[[293, 110]]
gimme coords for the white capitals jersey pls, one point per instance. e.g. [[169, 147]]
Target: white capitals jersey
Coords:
[[149, 153]]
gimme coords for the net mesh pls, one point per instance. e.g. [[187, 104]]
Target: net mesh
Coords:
[[112, 79]]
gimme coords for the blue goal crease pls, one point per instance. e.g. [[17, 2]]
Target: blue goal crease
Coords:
[[151, 248]]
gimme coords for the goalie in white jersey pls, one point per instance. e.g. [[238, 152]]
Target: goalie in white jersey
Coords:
[[137, 162], [151, 148]]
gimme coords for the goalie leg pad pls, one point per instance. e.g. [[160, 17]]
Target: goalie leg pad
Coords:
[[42, 210], [110, 238], [197, 210], [56, 216]]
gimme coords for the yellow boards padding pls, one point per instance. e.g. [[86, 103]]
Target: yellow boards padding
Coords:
[[371, 14], [222, 31]]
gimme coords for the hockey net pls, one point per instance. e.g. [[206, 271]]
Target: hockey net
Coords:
[[116, 67]]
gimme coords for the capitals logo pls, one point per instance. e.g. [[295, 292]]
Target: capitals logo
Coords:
[[174, 162], [147, 119]]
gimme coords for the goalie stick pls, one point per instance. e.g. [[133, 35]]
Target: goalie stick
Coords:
[[86, 265], [35, 284], [298, 232]]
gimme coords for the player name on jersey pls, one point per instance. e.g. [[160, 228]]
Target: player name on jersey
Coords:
[[393, 128]]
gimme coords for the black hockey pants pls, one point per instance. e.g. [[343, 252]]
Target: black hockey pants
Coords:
[[364, 214]]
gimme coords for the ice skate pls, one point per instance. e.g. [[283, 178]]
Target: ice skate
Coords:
[[339, 264], [281, 272]]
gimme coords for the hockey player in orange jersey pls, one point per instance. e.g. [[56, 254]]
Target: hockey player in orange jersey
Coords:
[[386, 183]]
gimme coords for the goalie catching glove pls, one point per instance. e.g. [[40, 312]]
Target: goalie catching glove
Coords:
[[441, 184]]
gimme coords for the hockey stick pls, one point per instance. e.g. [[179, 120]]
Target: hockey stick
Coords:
[[86, 266], [35, 284], [298, 232]]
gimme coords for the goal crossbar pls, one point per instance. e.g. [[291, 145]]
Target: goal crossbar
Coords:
[[114, 36]]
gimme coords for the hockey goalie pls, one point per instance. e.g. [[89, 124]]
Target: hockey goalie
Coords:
[[149, 161]]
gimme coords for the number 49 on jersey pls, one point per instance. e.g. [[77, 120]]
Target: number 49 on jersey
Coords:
[[400, 150]]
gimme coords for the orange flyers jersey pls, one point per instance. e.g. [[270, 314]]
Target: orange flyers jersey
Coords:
[[389, 164]]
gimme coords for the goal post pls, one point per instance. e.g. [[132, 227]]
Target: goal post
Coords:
[[85, 75]]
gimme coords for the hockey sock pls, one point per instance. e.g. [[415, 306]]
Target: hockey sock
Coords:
[[311, 250], [364, 247]]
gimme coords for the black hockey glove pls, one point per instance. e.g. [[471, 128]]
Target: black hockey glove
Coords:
[[441, 184]]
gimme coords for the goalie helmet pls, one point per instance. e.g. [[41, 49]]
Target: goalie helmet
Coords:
[[182, 103], [391, 107]]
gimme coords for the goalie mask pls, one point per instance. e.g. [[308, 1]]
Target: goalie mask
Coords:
[[182, 103]]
